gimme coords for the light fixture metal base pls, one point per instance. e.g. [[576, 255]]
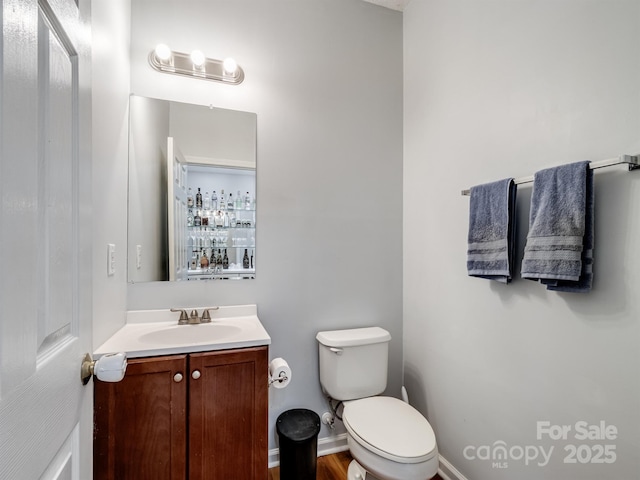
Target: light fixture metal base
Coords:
[[181, 64]]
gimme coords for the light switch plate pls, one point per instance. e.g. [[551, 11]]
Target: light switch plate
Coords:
[[111, 259], [138, 257]]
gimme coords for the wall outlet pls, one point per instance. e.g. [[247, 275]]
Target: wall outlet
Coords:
[[111, 259]]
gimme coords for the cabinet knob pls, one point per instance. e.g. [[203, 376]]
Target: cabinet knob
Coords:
[[195, 374], [177, 377]]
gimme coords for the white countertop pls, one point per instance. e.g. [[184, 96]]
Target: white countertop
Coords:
[[156, 332]]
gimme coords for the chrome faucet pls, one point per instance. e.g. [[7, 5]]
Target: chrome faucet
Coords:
[[206, 318], [184, 319], [194, 318]]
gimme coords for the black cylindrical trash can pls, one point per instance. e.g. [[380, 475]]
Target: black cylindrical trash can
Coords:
[[298, 435]]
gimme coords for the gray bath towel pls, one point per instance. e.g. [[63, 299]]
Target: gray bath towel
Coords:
[[559, 249], [491, 237]]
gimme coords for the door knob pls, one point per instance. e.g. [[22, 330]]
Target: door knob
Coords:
[[195, 374], [108, 368]]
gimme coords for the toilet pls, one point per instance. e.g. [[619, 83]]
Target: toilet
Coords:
[[388, 438]]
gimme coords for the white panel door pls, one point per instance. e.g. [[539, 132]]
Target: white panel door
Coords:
[[177, 211], [45, 240]]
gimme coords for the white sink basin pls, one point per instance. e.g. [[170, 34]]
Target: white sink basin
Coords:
[[156, 332], [196, 334]]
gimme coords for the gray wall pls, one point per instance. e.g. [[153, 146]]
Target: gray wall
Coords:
[[325, 79], [110, 22], [147, 215], [214, 133], [496, 89]]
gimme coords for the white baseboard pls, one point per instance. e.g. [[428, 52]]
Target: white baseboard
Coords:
[[448, 471], [326, 446]]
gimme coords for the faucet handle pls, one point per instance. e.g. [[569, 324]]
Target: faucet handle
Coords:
[[183, 316], [194, 318], [206, 318]]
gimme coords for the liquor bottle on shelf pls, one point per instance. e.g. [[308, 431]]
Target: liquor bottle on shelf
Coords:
[[230, 204], [245, 259], [247, 202], [222, 204], [190, 198], [239, 201], [194, 261], [218, 219], [214, 201], [251, 258], [204, 261], [198, 199], [219, 259], [190, 218], [207, 201], [225, 220], [225, 260], [197, 220], [212, 258]]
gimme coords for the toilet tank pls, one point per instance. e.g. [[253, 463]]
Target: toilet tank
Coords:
[[353, 363]]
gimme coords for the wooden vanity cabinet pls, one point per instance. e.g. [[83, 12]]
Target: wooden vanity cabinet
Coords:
[[228, 415], [140, 423], [201, 416]]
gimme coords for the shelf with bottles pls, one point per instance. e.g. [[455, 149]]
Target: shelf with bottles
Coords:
[[227, 210], [215, 229], [221, 228], [198, 248], [221, 238], [241, 202], [221, 260], [231, 274], [221, 218]]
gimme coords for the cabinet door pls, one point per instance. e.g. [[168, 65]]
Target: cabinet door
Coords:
[[228, 415], [140, 423]]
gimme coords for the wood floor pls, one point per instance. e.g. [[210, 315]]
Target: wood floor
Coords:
[[330, 467]]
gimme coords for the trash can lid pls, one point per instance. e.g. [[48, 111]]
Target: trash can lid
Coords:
[[298, 425]]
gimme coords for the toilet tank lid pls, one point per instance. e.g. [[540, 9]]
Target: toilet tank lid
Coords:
[[353, 337]]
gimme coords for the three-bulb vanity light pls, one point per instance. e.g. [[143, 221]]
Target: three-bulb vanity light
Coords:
[[195, 65]]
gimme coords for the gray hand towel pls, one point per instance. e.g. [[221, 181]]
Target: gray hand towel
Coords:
[[583, 284], [559, 249], [491, 237]]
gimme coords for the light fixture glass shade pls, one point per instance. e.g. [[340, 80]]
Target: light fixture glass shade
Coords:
[[198, 58], [230, 66], [163, 52]]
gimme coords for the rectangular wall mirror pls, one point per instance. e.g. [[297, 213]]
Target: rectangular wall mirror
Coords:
[[192, 192]]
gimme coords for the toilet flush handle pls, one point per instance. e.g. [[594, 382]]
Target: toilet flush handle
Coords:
[[337, 351]]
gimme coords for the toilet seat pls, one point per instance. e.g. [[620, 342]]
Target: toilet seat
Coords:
[[390, 428]]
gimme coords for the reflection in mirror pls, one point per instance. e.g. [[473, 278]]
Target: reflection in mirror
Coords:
[[192, 187]]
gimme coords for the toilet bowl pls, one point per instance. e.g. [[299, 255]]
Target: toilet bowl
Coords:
[[388, 438]]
